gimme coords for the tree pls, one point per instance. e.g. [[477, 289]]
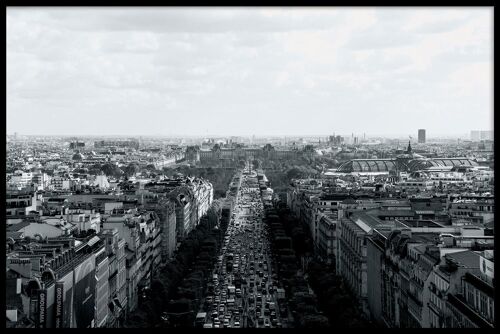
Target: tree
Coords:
[[315, 321], [256, 163], [111, 170], [131, 169]]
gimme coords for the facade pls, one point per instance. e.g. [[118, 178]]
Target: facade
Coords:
[[117, 298], [102, 288], [472, 306], [375, 246], [327, 238], [419, 280], [140, 233], [61, 287], [167, 216], [20, 204], [476, 135], [117, 143], [237, 153], [84, 219], [19, 180], [421, 136]]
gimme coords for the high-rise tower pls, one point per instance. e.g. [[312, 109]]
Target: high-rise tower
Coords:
[[421, 136]]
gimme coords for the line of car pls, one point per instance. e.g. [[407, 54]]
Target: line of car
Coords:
[[243, 288]]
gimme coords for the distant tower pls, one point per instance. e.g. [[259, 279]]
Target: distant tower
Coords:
[[15, 136], [408, 150], [421, 136]]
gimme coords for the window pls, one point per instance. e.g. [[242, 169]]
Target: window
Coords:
[[483, 306]]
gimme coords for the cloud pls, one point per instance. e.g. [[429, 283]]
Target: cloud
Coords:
[[193, 70], [435, 20]]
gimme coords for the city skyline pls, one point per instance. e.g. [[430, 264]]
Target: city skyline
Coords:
[[178, 71], [414, 136]]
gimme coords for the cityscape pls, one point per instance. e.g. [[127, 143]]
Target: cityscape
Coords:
[[249, 168]]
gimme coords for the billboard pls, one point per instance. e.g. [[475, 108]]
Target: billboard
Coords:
[[50, 306], [42, 308], [67, 299], [487, 267], [59, 307], [84, 294]]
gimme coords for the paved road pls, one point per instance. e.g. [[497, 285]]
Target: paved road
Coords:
[[242, 293]]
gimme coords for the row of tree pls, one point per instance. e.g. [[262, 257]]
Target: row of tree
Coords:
[[281, 177], [112, 170], [302, 303], [334, 298], [178, 287]]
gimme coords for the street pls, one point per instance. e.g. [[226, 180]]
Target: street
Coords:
[[242, 292]]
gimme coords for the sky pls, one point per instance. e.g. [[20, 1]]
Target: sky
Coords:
[[249, 71]]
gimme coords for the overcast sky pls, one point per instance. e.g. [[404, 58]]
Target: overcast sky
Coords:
[[166, 71]]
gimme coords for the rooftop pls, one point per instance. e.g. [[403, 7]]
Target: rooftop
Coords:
[[467, 258]]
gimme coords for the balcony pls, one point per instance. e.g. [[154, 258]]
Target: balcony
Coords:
[[415, 307]]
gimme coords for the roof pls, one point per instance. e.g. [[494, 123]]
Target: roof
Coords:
[[18, 226], [422, 223], [364, 221], [367, 165], [455, 161], [394, 213], [93, 241], [467, 258], [403, 203], [14, 235], [416, 163], [421, 164], [78, 156]]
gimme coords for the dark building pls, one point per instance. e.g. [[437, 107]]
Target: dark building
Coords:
[[421, 136], [76, 145], [117, 143]]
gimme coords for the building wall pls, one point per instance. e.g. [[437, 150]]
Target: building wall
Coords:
[[351, 264], [327, 239], [168, 227], [373, 275], [102, 291]]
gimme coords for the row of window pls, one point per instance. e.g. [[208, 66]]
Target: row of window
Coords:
[[479, 301]]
